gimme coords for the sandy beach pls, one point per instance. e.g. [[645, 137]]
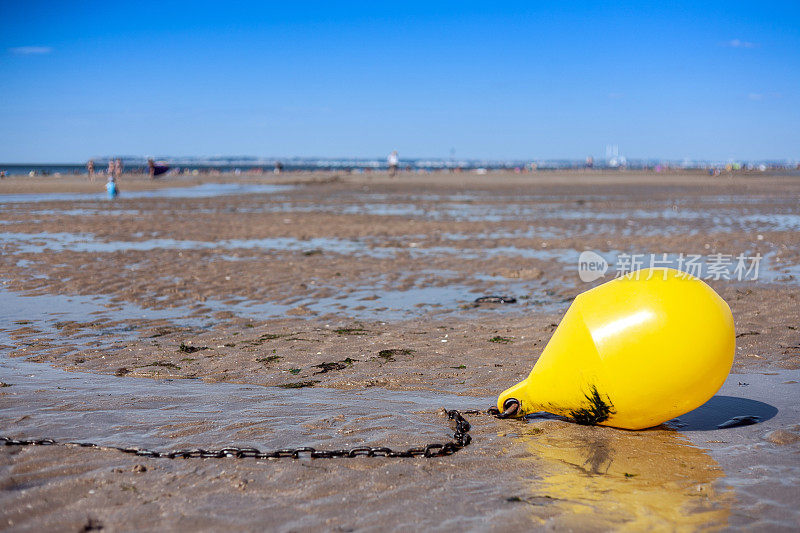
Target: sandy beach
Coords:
[[338, 310]]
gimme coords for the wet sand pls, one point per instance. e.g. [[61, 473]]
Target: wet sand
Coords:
[[357, 292]]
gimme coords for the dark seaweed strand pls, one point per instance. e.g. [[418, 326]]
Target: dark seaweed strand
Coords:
[[598, 411]]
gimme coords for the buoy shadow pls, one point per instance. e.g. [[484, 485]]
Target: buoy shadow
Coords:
[[726, 411]]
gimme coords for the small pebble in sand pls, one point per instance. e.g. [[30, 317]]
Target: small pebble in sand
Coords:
[[139, 469], [781, 437]]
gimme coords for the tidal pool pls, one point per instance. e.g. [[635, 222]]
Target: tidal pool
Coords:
[[206, 190]]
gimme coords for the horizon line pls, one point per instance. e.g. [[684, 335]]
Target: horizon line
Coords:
[[248, 159]]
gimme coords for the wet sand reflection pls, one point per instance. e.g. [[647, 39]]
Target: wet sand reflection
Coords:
[[603, 478]]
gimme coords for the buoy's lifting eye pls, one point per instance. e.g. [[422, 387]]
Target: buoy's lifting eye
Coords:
[[510, 408]]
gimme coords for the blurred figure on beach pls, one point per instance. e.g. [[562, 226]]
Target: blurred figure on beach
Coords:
[[90, 169], [110, 169], [394, 162], [151, 168], [117, 168], [278, 167], [111, 187]]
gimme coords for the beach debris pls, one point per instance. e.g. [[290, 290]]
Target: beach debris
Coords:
[[299, 384], [627, 336], [736, 421], [335, 365], [501, 340], [390, 354], [165, 364], [267, 337], [496, 300], [165, 330], [355, 330], [138, 469], [538, 501], [188, 348], [121, 371], [4, 384]]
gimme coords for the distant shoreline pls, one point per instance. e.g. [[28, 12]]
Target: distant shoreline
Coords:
[[188, 171], [357, 166], [699, 179]]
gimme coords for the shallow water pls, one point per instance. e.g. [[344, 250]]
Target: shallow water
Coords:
[[185, 413], [764, 476], [748, 481], [373, 302], [86, 242], [673, 218], [643, 479], [385, 303], [769, 270], [44, 312], [668, 220], [206, 190]]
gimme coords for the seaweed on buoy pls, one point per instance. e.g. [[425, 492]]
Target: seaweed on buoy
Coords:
[[598, 411]]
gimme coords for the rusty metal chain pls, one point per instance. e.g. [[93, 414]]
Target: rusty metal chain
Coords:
[[461, 438]]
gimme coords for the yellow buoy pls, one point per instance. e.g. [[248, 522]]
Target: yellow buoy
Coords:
[[632, 353]]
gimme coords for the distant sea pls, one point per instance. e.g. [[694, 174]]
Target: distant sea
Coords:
[[352, 165], [366, 165]]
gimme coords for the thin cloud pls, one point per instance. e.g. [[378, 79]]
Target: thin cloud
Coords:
[[30, 50], [738, 43], [764, 96]]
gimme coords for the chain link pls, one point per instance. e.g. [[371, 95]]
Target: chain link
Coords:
[[461, 438]]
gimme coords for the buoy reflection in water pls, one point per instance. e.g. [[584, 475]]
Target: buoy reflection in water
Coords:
[[608, 479]]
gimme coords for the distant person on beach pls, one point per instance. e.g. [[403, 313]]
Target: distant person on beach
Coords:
[[111, 187], [394, 162], [110, 169], [278, 167], [117, 168], [90, 169], [151, 168]]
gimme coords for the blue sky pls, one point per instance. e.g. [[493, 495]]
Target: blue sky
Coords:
[[714, 80]]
